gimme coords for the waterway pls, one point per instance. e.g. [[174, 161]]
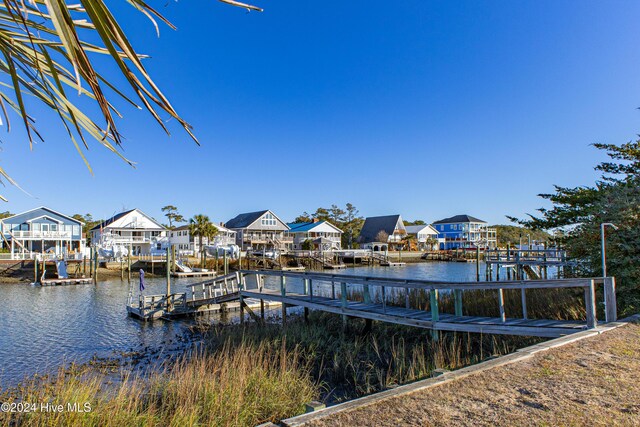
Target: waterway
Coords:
[[42, 328]]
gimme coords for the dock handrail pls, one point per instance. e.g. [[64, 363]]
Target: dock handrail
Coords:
[[345, 280]]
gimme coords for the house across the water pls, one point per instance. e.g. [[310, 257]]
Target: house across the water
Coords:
[[132, 228], [381, 233], [41, 230], [188, 244], [465, 232], [426, 237], [320, 235], [260, 230]]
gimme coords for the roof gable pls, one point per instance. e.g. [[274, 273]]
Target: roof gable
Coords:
[[303, 227], [245, 220], [38, 213], [424, 228], [458, 219], [120, 221], [375, 224]]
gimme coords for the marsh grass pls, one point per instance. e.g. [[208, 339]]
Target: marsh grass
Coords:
[[354, 362], [235, 385]]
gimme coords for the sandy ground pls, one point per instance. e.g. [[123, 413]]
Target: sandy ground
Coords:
[[592, 382]]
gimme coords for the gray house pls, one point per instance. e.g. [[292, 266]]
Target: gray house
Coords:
[[41, 230], [380, 232], [260, 230]]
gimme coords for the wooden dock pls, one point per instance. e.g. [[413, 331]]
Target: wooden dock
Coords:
[[378, 298], [368, 298], [182, 274], [62, 282]]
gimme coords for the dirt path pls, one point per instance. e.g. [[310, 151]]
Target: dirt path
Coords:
[[595, 381]]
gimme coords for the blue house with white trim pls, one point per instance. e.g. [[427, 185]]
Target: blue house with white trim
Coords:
[[465, 232], [323, 235], [41, 230]]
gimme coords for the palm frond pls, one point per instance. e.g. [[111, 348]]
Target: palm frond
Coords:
[[45, 54]]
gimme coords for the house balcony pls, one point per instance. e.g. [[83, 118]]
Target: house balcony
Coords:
[[138, 239], [42, 235]]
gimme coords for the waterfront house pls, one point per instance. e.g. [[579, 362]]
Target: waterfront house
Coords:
[[188, 244], [465, 232], [426, 237], [134, 229], [41, 230], [260, 230], [322, 235], [382, 232]]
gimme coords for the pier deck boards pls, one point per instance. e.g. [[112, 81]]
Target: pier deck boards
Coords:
[[423, 319], [370, 299], [70, 281]]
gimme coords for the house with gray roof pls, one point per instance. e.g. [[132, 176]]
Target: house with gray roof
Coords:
[[382, 232], [465, 232], [426, 237], [41, 230], [260, 230]]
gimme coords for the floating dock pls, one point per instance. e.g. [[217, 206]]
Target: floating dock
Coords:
[[68, 281]]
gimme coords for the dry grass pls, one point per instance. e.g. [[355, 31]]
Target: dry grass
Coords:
[[595, 381], [239, 385]]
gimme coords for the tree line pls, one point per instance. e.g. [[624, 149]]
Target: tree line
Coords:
[[577, 213]]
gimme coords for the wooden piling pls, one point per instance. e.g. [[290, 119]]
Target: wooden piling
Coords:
[[168, 278], [283, 292]]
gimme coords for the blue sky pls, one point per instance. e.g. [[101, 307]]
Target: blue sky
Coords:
[[423, 108]]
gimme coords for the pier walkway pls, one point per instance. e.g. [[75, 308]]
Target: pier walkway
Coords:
[[383, 299]]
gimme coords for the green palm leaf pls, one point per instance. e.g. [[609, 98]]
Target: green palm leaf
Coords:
[[44, 57]]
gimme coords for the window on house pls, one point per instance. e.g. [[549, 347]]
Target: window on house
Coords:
[[268, 219], [54, 227]]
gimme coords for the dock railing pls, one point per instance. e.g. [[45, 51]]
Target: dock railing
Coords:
[[314, 281]]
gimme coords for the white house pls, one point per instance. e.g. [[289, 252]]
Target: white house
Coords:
[[260, 230], [188, 244], [132, 228], [426, 236], [322, 234], [41, 230]]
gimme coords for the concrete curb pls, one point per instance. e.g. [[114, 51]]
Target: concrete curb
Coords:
[[517, 356]]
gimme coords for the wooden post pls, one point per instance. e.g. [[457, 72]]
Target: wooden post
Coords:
[[129, 264], [407, 303], [84, 265], [121, 269], [333, 290], [590, 303], [168, 276], [35, 270], [226, 264], [435, 315], [90, 262], [283, 292], [457, 295], [384, 299], [240, 298], [610, 305], [343, 299], [366, 294], [523, 297], [95, 266], [477, 263], [501, 304]]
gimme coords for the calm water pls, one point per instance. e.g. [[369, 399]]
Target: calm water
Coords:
[[44, 327]]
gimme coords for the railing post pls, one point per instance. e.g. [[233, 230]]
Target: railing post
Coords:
[[457, 294], [366, 294], [240, 298], [523, 296], [384, 299], [503, 316], [435, 315], [283, 293], [590, 303], [343, 299], [610, 304]]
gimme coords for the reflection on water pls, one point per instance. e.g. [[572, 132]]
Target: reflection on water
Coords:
[[44, 327]]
